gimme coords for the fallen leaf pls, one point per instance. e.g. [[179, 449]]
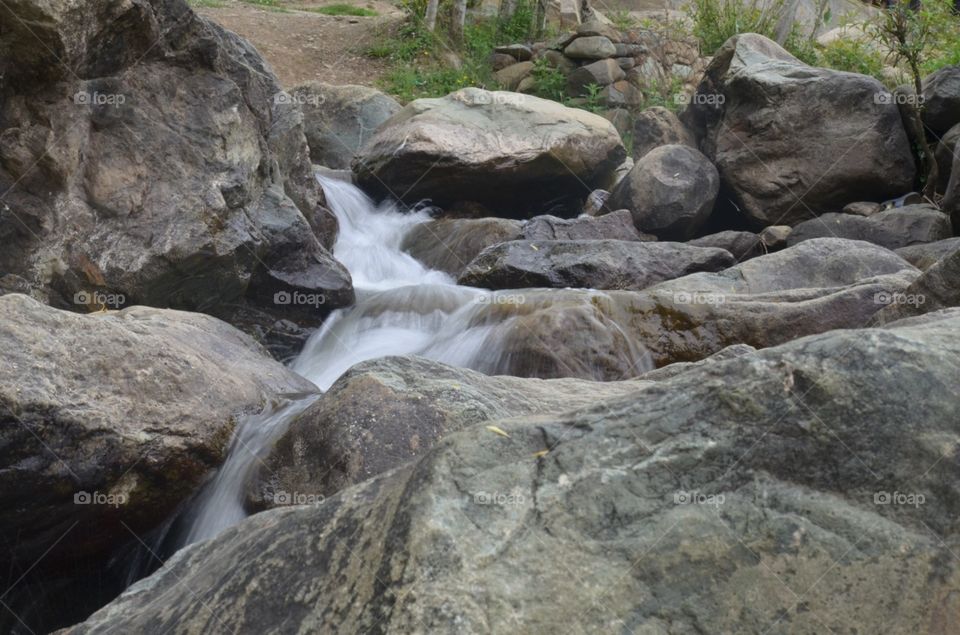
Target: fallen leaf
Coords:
[[497, 430], [541, 453]]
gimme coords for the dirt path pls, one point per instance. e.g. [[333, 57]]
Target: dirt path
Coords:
[[303, 46]]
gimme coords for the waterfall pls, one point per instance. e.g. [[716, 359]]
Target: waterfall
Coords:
[[402, 308]]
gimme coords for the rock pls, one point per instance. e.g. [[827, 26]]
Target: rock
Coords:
[[499, 61], [625, 63], [590, 264], [945, 152], [157, 160], [941, 100], [449, 244], [936, 289], [616, 225], [596, 202], [383, 413], [775, 237], [511, 76], [925, 255], [655, 127], [338, 120], [599, 73], [527, 85], [501, 149], [951, 198], [620, 118], [752, 113], [863, 208], [558, 60], [893, 229], [733, 484], [621, 94], [594, 47], [743, 245], [670, 190], [109, 422], [520, 52], [595, 27]]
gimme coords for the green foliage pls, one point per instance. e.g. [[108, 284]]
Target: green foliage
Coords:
[[421, 59], [551, 83], [716, 21], [622, 20], [343, 9], [852, 56]]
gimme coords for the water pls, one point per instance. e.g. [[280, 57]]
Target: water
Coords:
[[402, 308]]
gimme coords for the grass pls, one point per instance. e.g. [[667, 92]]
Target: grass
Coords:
[[207, 4], [344, 9]]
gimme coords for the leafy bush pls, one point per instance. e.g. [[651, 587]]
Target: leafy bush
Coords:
[[852, 56], [716, 21], [550, 82]]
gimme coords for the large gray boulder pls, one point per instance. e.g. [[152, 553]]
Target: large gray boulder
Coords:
[[945, 152], [951, 200], [338, 120], [109, 422], [763, 494], [657, 126], [450, 244], [515, 153], [938, 288], [941, 100], [743, 245], [149, 154], [385, 412], [926, 255], [792, 141], [893, 229], [816, 286], [617, 225], [588, 264], [670, 192]]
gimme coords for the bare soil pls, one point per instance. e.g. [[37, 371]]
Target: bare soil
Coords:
[[303, 46]]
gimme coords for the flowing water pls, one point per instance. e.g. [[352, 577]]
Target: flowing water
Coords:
[[402, 308]]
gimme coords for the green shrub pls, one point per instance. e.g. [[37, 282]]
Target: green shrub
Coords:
[[716, 21], [550, 82], [852, 56]]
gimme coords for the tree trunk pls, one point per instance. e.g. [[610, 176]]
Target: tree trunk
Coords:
[[509, 7], [430, 19], [459, 19]]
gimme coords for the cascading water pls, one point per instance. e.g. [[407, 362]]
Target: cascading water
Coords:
[[402, 308]]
